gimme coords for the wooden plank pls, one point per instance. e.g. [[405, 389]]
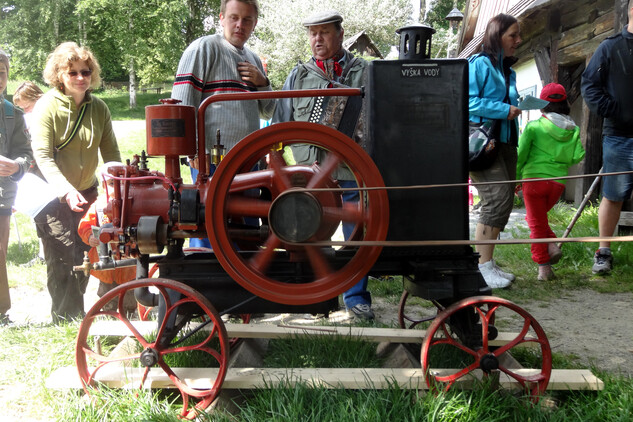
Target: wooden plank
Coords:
[[578, 52], [378, 335], [587, 31], [626, 219], [351, 378]]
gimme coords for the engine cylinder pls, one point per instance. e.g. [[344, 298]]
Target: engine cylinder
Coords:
[[171, 129]]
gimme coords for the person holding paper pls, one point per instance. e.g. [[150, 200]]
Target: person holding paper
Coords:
[[547, 148], [25, 97], [69, 128], [493, 94], [15, 160]]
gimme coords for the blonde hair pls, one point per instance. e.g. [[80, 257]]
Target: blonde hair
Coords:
[[60, 59], [4, 59], [27, 92]]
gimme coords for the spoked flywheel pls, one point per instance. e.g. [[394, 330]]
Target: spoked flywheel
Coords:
[[284, 267], [460, 343], [188, 332]]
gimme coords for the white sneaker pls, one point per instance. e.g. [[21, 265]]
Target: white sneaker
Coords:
[[502, 273], [492, 276]]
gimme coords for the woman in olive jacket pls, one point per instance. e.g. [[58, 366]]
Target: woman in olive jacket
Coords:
[[69, 129]]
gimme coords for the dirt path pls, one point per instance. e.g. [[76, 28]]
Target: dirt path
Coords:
[[594, 327]]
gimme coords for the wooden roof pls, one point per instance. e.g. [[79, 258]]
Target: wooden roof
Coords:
[[479, 12]]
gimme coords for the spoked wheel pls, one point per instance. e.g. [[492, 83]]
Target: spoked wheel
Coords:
[[411, 316], [283, 268], [447, 346], [176, 341]]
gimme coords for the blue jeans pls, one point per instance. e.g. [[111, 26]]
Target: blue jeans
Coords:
[[358, 293], [617, 155]]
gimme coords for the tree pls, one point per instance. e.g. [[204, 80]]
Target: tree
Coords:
[[31, 29], [281, 38], [148, 35], [436, 16]]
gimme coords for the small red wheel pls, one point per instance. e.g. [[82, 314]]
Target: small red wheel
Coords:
[[171, 341], [229, 197], [420, 317], [464, 330]]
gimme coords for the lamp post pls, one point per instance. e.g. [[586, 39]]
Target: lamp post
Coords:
[[454, 18]]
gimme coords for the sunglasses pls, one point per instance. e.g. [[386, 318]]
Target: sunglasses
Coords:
[[84, 73]]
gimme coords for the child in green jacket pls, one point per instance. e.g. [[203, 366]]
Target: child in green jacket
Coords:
[[547, 148]]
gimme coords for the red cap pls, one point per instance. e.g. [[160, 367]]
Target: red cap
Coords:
[[554, 93]]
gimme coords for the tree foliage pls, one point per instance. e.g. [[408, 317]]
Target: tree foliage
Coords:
[[30, 30], [436, 16], [144, 39], [149, 34]]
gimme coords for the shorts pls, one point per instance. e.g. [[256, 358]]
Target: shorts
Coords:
[[617, 155], [497, 200]]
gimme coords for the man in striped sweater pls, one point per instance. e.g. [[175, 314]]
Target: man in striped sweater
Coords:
[[220, 64]]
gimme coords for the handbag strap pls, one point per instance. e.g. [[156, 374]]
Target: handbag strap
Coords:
[[64, 144]]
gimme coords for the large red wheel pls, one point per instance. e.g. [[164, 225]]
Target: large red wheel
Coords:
[[410, 316], [470, 349], [173, 341], [317, 214]]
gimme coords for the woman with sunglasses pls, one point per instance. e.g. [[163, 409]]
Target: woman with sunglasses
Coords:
[[70, 127]]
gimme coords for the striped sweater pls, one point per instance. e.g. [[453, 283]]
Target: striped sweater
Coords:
[[208, 67]]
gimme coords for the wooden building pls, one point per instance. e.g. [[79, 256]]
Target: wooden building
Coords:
[[559, 37], [362, 43]]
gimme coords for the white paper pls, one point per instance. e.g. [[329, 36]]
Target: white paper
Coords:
[[532, 103], [33, 195]]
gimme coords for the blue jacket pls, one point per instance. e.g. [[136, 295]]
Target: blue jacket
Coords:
[[487, 91]]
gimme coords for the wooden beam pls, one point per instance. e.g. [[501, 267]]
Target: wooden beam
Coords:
[[577, 53], [591, 138], [377, 335], [587, 31], [621, 15], [542, 60], [351, 378]]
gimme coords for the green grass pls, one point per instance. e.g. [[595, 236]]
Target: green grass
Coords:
[[118, 102], [574, 269], [31, 353]]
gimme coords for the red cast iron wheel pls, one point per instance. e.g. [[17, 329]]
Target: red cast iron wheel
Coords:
[[224, 200], [439, 335], [214, 345]]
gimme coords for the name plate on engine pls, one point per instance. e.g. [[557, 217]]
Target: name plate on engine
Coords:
[[168, 128], [420, 70]]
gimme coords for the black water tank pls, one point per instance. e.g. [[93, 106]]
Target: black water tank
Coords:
[[417, 125]]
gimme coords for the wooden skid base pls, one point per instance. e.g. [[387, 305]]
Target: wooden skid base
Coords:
[[378, 335], [352, 378]]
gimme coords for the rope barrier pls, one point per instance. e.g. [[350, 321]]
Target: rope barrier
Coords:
[[455, 185], [403, 243]]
